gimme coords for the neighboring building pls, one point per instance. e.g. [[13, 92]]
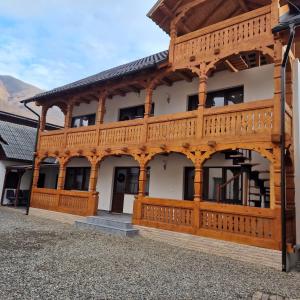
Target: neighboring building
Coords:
[[17, 139], [186, 140]]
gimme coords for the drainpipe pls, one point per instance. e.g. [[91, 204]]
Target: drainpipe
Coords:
[[282, 148], [34, 156]]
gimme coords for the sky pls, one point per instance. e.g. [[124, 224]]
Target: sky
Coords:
[[49, 43]]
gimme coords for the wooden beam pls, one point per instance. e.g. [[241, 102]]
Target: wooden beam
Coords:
[[230, 66], [185, 76], [167, 82]]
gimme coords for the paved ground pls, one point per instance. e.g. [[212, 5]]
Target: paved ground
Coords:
[[42, 259]]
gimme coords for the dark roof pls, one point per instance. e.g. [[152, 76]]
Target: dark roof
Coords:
[[148, 62], [17, 141]]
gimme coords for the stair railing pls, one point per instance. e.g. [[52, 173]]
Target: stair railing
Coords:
[[221, 187]]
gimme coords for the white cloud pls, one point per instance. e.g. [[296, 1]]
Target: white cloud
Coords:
[[51, 43]]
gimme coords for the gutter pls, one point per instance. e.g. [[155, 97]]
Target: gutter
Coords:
[[34, 156]]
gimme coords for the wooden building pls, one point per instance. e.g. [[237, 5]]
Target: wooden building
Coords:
[[187, 139]]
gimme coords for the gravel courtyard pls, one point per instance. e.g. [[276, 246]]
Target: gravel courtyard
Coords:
[[42, 259]]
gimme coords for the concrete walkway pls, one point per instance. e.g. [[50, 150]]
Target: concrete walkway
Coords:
[[248, 254]]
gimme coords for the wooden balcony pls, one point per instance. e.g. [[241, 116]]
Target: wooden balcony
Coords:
[[242, 33], [251, 121]]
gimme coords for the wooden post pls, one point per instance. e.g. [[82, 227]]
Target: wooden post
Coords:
[[142, 180], [101, 108], [68, 116], [148, 102], [43, 118], [93, 177], [197, 195], [202, 90], [201, 104], [198, 182], [36, 173], [61, 177], [173, 35], [277, 92], [275, 13]]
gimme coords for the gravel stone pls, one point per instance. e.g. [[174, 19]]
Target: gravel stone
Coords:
[[43, 259]]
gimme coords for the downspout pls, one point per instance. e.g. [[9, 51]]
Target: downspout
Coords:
[[34, 156], [282, 148]]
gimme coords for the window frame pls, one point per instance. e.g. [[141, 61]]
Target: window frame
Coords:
[[135, 107], [86, 174], [81, 120], [226, 90]]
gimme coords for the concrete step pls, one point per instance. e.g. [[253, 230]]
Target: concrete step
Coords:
[[110, 222], [119, 225]]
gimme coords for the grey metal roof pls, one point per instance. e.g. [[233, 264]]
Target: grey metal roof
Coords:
[[17, 141], [114, 73]]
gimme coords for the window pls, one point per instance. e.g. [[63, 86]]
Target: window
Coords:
[[225, 97], [87, 120], [189, 178], [193, 102], [77, 179], [218, 98], [135, 112]]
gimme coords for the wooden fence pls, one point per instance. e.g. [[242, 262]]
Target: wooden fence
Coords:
[[72, 202], [249, 225]]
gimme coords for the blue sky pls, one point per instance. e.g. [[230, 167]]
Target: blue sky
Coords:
[[49, 43]]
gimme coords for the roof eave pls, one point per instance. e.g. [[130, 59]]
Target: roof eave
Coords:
[[84, 86]]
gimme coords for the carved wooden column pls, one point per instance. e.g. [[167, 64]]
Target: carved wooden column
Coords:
[[202, 90], [148, 102], [198, 182], [43, 118], [197, 194], [202, 101], [68, 115], [61, 177], [277, 92], [93, 177], [173, 35], [36, 173], [101, 108], [142, 180], [276, 182]]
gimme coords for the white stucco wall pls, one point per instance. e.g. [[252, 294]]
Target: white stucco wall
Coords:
[[168, 183], [296, 111], [106, 180], [258, 85]]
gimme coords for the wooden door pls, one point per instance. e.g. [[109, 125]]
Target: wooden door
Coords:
[[119, 190]]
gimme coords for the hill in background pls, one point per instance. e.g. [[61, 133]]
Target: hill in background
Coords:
[[13, 90]]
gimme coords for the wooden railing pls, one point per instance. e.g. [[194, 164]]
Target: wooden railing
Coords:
[[72, 202], [254, 226], [247, 121], [241, 32]]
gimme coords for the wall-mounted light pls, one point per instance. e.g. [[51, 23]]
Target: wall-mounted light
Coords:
[[168, 98], [165, 165]]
